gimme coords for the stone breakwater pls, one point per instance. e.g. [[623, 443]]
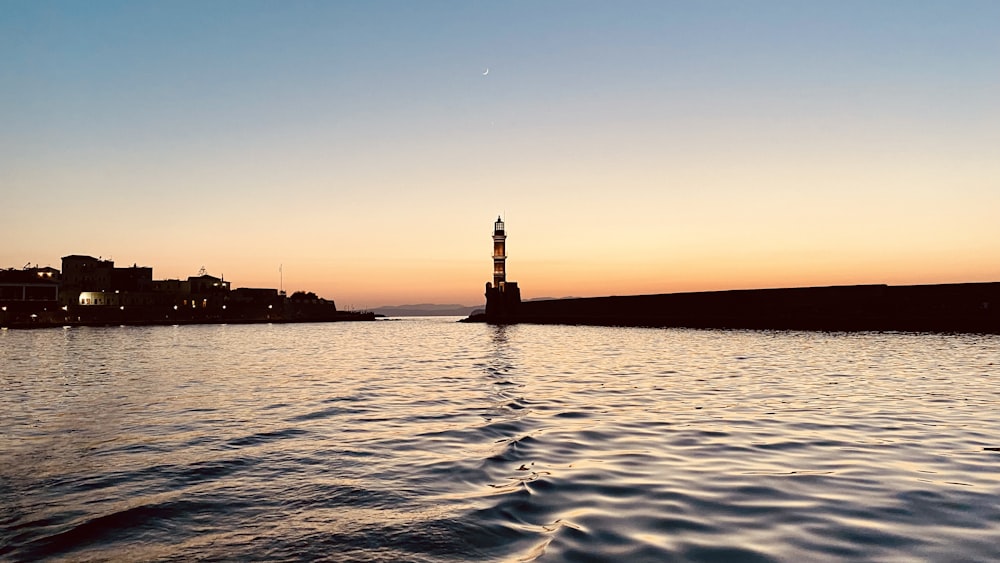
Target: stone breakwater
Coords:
[[965, 307]]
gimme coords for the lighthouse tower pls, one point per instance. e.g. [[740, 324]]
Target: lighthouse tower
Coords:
[[499, 254], [502, 297]]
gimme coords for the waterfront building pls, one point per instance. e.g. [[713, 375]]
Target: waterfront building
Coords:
[[133, 278], [93, 291], [29, 284], [28, 294], [206, 284], [95, 282], [85, 274]]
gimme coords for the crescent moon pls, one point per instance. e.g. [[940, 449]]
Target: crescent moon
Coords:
[[487, 71]]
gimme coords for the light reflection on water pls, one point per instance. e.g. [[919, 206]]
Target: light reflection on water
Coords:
[[428, 440]]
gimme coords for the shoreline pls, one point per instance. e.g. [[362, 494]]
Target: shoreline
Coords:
[[341, 317]]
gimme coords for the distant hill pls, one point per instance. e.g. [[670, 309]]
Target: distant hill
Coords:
[[426, 310]]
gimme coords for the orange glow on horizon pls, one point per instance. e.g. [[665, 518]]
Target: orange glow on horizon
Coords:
[[688, 150]]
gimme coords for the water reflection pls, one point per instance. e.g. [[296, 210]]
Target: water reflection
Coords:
[[437, 441]]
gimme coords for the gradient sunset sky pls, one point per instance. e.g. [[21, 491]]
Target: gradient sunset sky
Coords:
[[632, 147]]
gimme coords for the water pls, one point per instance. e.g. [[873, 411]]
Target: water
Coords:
[[429, 440]]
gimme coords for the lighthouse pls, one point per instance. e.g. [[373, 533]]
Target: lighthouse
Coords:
[[502, 297], [499, 254]]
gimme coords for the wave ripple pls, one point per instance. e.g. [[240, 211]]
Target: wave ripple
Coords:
[[428, 440]]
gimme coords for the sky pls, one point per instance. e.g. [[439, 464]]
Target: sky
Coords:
[[632, 147]]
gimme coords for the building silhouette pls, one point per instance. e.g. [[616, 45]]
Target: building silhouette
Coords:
[[92, 290], [30, 293]]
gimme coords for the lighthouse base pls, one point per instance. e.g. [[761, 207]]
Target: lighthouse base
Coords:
[[502, 302]]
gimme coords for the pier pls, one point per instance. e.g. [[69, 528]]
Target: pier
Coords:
[[964, 307]]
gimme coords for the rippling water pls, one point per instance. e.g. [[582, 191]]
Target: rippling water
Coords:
[[429, 440]]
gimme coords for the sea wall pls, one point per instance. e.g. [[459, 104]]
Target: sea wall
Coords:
[[968, 307]]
